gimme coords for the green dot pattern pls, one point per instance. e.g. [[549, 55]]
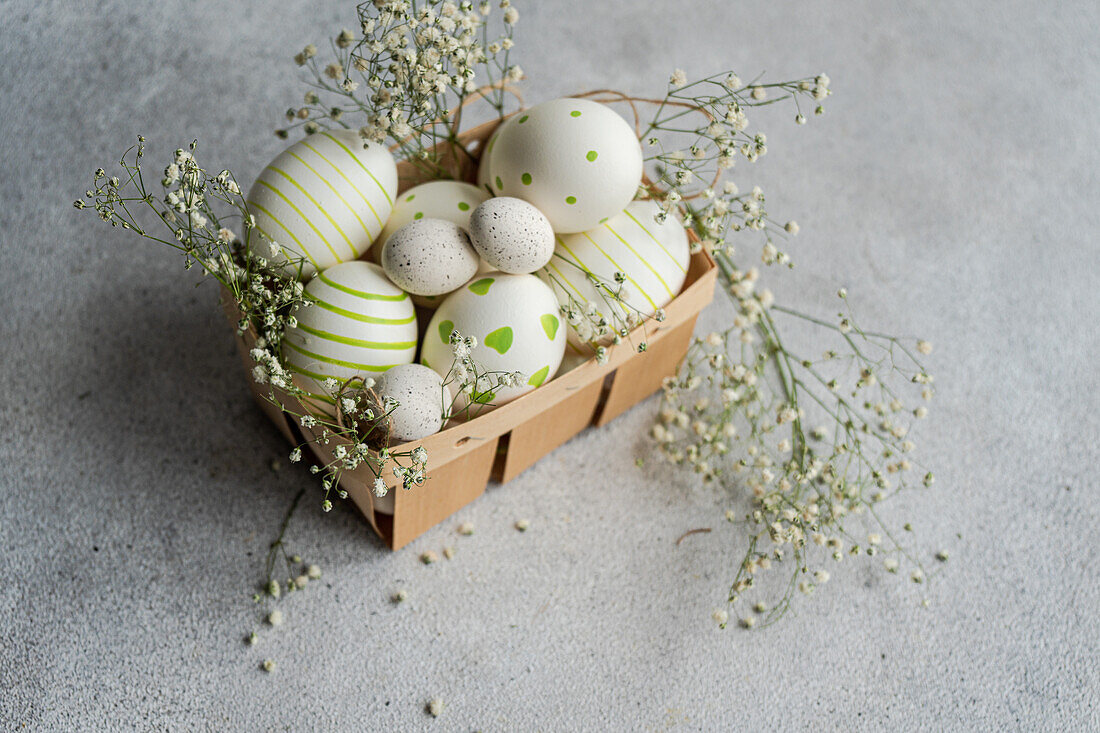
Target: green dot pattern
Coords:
[[575, 113], [481, 286], [550, 324], [592, 155], [445, 328], [522, 120], [526, 178], [500, 340], [418, 215], [463, 206], [500, 184], [539, 377], [484, 398], [410, 197], [570, 200]]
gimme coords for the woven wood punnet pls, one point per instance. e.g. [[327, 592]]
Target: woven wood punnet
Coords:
[[501, 444]]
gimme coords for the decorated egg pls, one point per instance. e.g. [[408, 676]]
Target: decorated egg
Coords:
[[483, 166], [429, 257], [359, 324], [576, 160], [653, 259], [423, 401], [511, 235], [324, 199], [516, 323], [450, 200]]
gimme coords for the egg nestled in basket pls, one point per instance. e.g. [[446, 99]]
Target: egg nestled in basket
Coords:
[[576, 160], [652, 259], [358, 324], [324, 199], [518, 328]]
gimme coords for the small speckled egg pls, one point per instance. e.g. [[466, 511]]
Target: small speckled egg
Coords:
[[429, 257], [516, 323], [576, 160], [325, 198], [653, 257], [422, 400], [449, 200], [358, 324], [511, 235]]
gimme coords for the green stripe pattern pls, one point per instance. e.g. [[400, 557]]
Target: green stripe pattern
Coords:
[[358, 324], [325, 197], [652, 257]]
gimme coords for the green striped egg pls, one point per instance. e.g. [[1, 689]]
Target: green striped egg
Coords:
[[325, 198], [359, 324], [653, 257]]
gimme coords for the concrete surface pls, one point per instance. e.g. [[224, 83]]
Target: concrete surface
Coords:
[[952, 186]]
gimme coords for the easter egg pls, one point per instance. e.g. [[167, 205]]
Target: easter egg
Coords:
[[511, 235], [429, 257], [652, 257], [423, 401], [483, 181], [324, 199], [516, 323], [576, 160], [449, 200], [358, 324]]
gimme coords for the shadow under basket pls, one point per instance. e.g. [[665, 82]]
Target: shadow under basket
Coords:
[[504, 442]]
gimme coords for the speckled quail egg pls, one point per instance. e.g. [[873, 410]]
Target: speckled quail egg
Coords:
[[429, 257], [423, 401], [511, 235]]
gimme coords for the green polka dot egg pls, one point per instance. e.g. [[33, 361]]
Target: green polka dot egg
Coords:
[[516, 323], [359, 324], [448, 200], [576, 160], [652, 257], [325, 198]]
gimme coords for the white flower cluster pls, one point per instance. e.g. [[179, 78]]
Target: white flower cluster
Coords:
[[408, 67], [476, 384]]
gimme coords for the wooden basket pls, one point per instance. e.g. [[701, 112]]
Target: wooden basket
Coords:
[[501, 444]]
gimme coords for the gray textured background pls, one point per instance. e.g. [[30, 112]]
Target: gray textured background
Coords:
[[952, 186]]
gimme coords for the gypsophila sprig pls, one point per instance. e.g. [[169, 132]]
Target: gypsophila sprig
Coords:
[[407, 73], [474, 388], [738, 412], [203, 214]]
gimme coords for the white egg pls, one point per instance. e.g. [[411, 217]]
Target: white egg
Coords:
[[576, 160], [423, 401], [511, 235], [652, 257], [517, 325], [325, 198], [449, 200], [359, 324], [484, 165], [429, 257]]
